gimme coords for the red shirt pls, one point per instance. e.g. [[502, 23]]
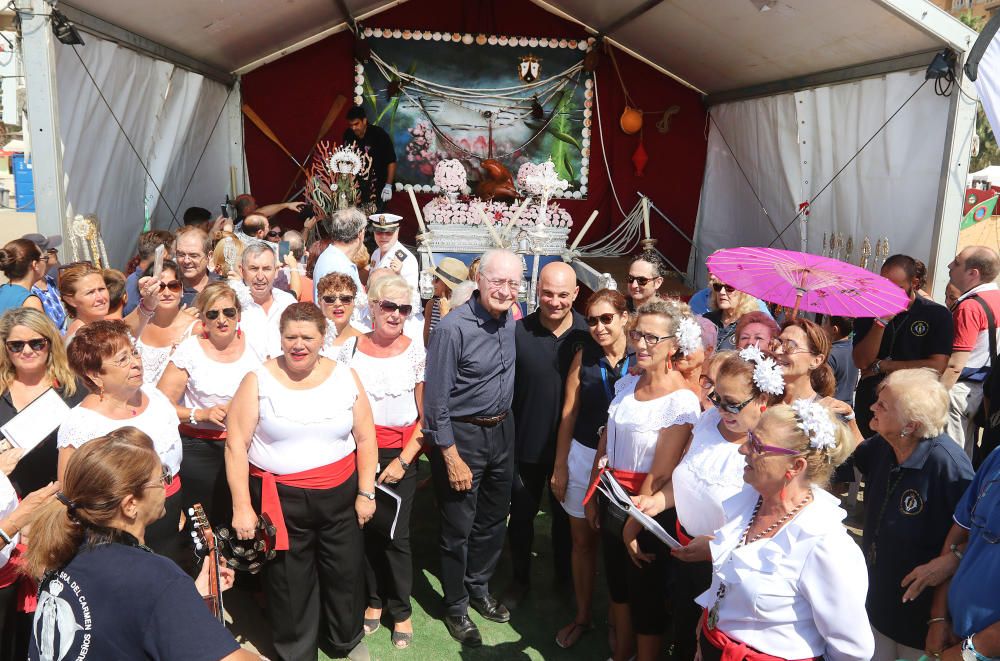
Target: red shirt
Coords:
[[971, 324]]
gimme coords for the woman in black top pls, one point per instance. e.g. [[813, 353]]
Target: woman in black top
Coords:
[[32, 361], [590, 387], [103, 594]]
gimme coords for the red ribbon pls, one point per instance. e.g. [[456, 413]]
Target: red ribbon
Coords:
[[734, 650], [631, 481], [393, 437], [202, 432], [321, 477]]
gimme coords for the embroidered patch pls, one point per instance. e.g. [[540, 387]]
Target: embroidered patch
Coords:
[[919, 328], [911, 503]]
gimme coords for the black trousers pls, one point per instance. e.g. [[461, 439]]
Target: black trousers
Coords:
[[164, 538], [203, 471], [15, 627], [530, 481], [687, 581], [389, 563], [474, 522], [315, 589]]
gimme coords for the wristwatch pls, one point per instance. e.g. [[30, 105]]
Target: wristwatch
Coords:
[[969, 652], [402, 463], [370, 495], [954, 549]]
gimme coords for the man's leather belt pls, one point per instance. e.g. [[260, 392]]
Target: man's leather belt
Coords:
[[481, 420]]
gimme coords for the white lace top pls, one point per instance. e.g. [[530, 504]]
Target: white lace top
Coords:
[[210, 382], [709, 473], [298, 430], [389, 383], [158, 421], [155, 359], [634, 426], [342, 353]]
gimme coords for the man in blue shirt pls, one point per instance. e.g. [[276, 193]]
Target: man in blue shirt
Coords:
[[347, 231]]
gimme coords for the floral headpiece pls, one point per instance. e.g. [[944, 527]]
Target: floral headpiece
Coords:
[[816, 423], [688, 336], [766, 373], [345, 160]]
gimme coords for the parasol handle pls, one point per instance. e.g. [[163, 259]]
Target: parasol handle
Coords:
[[799, 292]]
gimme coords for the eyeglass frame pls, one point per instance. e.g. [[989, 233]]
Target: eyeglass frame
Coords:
[[778, 343], [166, 478], [389, 307], [132, 356], [339, 298], [717, 402], [640, 280], [45, 343], [230, 313], [497, 284], [635, 336], [758, 448], [592, 321]]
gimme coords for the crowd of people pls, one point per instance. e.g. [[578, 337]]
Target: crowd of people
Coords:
[[277, 380]]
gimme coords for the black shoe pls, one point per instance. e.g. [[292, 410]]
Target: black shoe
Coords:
[[491, 609], [514, 595], [463, 630]]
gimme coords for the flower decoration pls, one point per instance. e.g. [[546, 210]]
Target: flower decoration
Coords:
[[815, 422], [345, 160], [540, 179], [688, 336], [449, 175], [766, 372]]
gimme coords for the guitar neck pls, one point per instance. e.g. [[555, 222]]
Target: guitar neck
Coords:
[[214, 597]]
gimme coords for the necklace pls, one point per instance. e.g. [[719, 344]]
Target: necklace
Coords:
[[713, 615], [125, 407]]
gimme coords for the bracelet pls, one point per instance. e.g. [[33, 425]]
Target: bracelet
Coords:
[[954, 549], [850, 416], [936, 619], [402, 463], [191, 417], [144, 312], [880, 322], [5, 537]]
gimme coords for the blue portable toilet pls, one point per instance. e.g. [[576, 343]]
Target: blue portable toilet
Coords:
[[24, 183]]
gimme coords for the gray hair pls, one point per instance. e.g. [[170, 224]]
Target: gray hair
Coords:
[[461, 293], [255, 249], [346, 224], [918, 396], [296, 244], [491, 255]]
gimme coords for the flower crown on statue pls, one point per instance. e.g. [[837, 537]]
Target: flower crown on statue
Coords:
[[766, 372], [345, 160], [816, 423], [688, 336]]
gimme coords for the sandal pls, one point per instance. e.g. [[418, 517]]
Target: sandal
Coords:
[[401, 640], [573, 635], [371, 626]]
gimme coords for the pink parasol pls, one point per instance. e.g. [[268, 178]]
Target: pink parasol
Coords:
[[802, 281]]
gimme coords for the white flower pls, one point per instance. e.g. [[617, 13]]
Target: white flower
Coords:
[[816, 423], [688, 336], [752, 354], [766, 373]]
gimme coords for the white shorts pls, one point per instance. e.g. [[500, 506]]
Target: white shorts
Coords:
[[579, 465]]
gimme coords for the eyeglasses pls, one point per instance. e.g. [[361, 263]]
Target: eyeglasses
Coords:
[[500, 283], [166, 479], [718, 403], [344, 299], [174, 286], [720, 286], [757, 447], [650, 339], [642, 281], [604, 319], [705, 382], [274, 233], [126, 359], [37, 344], [212, 315], [788, 347], [389, 307]]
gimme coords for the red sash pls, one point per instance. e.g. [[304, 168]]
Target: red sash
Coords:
[[10, 574], [734, 650], [631, 481], [174, 486], [199, 432], [394, 437], [321, 477], [682, 536]]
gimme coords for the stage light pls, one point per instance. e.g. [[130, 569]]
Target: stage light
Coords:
[[65, 31], [942, 66]]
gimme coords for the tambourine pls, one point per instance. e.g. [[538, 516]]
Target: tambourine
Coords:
[[248, 555]]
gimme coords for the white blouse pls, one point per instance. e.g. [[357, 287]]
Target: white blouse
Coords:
[[634, 426], [797, 595], [709, 473], [389, 384], [211, 382], [298, 430], [8, 503], [158, 421], [155, 359]]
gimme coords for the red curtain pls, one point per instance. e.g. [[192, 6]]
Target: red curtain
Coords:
[[293, 95]]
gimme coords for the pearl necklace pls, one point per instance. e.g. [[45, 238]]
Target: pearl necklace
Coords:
[[777, 524]]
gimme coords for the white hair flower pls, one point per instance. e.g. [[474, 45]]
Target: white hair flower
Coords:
[[688, 336], [816, 423], [767, 374]]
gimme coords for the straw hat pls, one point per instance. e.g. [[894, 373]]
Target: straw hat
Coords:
[[451, 271]]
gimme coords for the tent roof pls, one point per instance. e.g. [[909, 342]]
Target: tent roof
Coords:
[[714, 46]]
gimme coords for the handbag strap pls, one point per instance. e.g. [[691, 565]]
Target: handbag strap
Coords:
[[991, 325]]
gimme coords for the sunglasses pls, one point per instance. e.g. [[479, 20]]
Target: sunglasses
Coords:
[[344, 299], [389, 306], [166, 478], [718, 403], [17, 346], [651, 340], [705, 382], [173, 285], [721, 286], [274, 233], [787, 347], [212, 315], [604, 319], [638, 279], [759, 448]]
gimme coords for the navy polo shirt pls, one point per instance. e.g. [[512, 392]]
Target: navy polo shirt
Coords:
[[972, 597], [597, 389], [908, 510]]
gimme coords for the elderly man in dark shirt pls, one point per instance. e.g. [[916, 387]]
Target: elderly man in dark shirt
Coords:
[[467, 399], [546, 341]]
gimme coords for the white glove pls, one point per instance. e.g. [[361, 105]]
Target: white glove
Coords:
[[387, 192]]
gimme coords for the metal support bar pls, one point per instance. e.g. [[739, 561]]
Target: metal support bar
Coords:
[[588, 275], [237, 159], [39, 58], [119, 35], [934, 21]]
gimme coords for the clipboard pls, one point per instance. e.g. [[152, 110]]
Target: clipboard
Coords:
[[35, 422], [618, 497]]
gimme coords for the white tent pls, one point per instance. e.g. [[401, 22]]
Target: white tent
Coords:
[[990, 173], [795, 88]]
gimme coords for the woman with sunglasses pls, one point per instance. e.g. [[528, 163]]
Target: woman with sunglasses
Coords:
[[86, 298], [32, 362], [651, 415], [103, 357], [788, 580], [590, 387], [644, 279], [23, 264], [167, 327], [337, 296], [391, 368], [203, 373], [709, 373], [90, 553], [727, 305]]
